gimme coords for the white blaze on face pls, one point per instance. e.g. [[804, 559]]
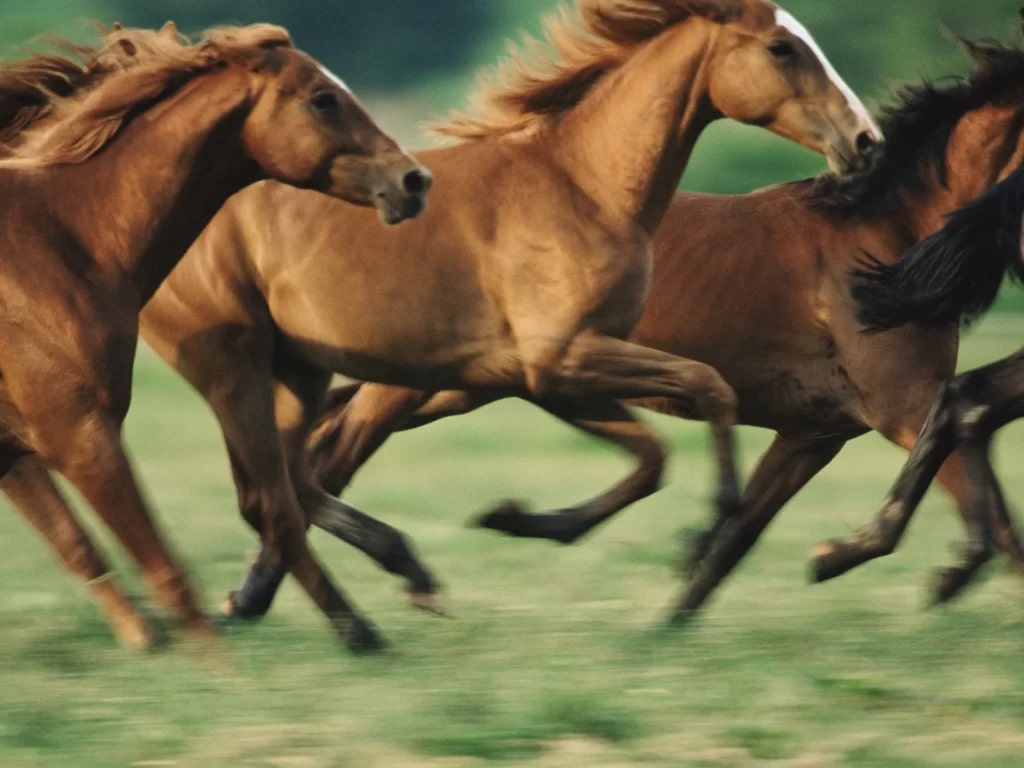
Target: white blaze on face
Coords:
[[335, 79], [787, 21]]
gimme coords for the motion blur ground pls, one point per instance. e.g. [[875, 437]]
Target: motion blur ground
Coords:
[[555, 655]]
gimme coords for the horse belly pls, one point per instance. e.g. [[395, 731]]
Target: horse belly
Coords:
[[817, 400]]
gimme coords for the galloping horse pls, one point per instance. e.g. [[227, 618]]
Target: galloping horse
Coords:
[[111, 168], [760, 291], [530, 269], [952, 276]]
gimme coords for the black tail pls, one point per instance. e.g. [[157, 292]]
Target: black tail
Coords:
[[954, 274]]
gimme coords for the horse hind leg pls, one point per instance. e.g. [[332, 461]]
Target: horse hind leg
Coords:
[[346, 435], [967, 410], [592, 365], [882, 535], [979, 548], [245, 407], [987, 398], [782, 471], [30, 487], [608, 420]]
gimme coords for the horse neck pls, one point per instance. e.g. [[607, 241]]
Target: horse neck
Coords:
[[163, 179], [627, 142], [984, 146]]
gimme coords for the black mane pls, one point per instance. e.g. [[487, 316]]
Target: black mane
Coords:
[[917, 130], [954, 274]]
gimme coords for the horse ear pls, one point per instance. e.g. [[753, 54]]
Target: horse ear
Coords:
[[1022, 19], [170, 31], [117, 26]]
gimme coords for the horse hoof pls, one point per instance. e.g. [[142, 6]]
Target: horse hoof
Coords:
[[826, 561], [947, 584], [508, 517], [139, 635], [235, 607], [365, 639], [681, 618]]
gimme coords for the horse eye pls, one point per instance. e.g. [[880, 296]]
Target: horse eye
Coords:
[[324, 101], [781, 49]]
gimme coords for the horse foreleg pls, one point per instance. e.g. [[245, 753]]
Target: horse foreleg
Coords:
[[608, 420], [88, 451], [31, 489], [783, 470]]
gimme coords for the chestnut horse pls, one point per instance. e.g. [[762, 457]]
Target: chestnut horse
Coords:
[[109, 174], [531, 269], [950, 277], [789, 342]]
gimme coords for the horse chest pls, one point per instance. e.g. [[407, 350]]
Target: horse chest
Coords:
[[612, 288]]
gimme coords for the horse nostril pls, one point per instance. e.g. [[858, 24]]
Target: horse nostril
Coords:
[[416, 182], [865, 142]]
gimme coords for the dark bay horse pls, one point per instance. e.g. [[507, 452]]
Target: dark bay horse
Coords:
[[760, 291], [528, 271], [114, 162], [950, 277]]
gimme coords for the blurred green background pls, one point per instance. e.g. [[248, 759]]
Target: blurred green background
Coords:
[[412, 60]]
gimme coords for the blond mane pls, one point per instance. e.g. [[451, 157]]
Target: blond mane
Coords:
[[72, 106], [582, 44]]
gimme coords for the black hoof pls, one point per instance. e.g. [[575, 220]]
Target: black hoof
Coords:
[[509, 517], [947, 583], [681, 618], [828, 561], [237, 608], [512, 519], [364, 638]]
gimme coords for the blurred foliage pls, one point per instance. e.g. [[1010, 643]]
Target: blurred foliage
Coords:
[[417, 58]]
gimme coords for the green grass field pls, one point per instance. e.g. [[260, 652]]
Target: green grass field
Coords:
[[555, 656]]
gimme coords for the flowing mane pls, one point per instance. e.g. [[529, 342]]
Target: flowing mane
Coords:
[[917, 129], [28, 86], [581, 45], [953, 275], [87, 95]]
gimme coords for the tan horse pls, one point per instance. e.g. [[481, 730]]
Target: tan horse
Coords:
[[760, 291], [107, 180], [531, 267]]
